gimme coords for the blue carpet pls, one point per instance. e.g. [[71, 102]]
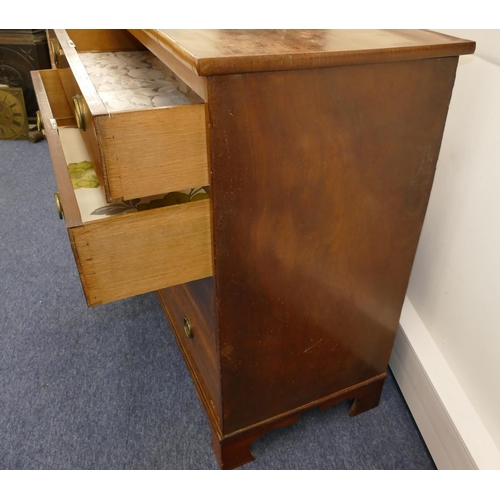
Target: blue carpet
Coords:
[[106, 388]]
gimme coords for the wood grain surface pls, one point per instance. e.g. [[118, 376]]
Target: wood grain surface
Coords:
[[217, 52], [103, 40], [154, 151], [130, 254], [53, 92], [313, 261]]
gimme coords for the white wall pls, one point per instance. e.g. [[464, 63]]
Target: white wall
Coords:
[[455, 282]]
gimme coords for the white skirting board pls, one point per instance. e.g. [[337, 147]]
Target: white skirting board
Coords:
[[451, 428]]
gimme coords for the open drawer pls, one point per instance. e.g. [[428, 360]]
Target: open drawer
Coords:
[[127, 254], [144, 129]]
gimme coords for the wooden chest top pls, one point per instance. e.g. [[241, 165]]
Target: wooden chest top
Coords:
[[213, 52]]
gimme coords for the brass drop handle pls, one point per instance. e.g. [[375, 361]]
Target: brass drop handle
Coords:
[[188, 330], [56, 50], [79, 111], [58, 205], [39, 122], [53, 51]]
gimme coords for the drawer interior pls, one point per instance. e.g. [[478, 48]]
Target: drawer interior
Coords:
[[89, 193], [134, 80], [125, 74], [121, 249], [103, 40], [127, 248], [145, 130]]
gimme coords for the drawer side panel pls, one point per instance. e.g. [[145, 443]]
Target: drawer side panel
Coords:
[[47, 88], [313, 264]]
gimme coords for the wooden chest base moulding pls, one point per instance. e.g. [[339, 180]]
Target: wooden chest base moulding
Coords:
[[321, 148]]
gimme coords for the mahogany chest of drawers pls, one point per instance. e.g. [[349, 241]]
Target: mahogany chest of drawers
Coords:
[[317, 150]]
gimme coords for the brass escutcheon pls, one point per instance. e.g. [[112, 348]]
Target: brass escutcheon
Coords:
[[58, 205], [188, 330], [79, 111]]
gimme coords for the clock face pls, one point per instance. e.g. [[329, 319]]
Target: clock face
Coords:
[[13, 120]]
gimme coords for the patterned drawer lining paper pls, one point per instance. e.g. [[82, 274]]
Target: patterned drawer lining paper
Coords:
[[90, 195], [127, 81]]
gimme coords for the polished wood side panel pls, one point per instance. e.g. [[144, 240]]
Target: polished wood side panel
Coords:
[[320, 182], [195, 300], [103, 40], [154, 151], [48, 91], [130, 254], [218, 52]]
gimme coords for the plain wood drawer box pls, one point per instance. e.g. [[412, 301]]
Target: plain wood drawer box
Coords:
[[157, 144], [128, 254]]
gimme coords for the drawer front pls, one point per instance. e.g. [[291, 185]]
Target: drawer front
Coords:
[[125, 255], [192, 321], [137, 152]]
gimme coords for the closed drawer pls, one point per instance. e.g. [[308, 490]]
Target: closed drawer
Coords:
[[190, 310], [144, 129], [135, 251]]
